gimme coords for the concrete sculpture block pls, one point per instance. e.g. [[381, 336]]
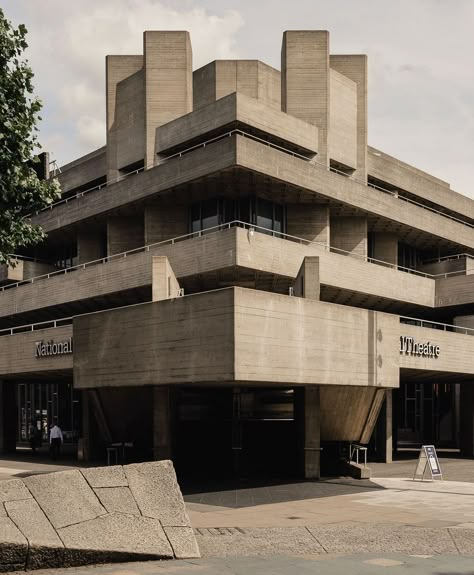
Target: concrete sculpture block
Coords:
[[78, 517]]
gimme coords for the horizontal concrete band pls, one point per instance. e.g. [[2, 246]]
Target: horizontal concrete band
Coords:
[[235, 334], [238, 151], [76, 517]]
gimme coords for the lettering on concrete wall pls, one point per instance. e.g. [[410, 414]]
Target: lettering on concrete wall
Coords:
[[409, 346], [47, 348]]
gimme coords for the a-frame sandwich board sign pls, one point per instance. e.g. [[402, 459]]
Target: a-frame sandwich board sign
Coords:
[[428, 458]]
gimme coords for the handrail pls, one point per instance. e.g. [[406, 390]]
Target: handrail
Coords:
[[220, 227], [449, 258], [443, 326], [35, 326], [28, 259], [55, 323], [271, 145]]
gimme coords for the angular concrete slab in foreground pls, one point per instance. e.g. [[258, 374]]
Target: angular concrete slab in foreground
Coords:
[[88, 516]]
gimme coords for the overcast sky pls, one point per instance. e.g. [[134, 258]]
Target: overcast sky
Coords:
[[421, 72]]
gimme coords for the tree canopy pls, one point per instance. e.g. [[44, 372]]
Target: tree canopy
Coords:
[[21, 191]]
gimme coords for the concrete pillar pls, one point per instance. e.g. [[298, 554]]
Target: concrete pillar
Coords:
[[123, 126], [168, 83], [467, 419], [307, 282], [8, 417], [90, 246], [308, 221], [308, 421], [84, 448], [385, 247], [161, 423], [164, 282], [384, 429], [349, 234], [236, 431], [305, 81], [124, 233], [165, 221], [355, 68]]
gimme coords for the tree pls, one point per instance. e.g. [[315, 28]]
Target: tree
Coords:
[[21, 191]]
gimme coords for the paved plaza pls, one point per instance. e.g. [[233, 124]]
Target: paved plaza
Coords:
[[337, 525]]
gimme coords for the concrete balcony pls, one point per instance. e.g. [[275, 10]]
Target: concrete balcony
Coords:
[[236, 156], [234, 255], [23, 269], [237, 111], [19, 355]]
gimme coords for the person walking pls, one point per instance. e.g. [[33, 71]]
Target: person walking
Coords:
[[55, 440]]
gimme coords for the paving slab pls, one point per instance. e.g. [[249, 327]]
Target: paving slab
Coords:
[[117, 535], [13, 545], [183, 542], [387, 538], [13, 490], [157, 493], [258, 541], [117, 500], [65, 497], [113, 476], [463, 539], [45, 547]]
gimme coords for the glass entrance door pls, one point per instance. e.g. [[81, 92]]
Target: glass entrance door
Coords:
[[40, 404], [426, 414]]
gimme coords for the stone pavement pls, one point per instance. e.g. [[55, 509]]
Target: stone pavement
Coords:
[[332, 526], [310, 564]]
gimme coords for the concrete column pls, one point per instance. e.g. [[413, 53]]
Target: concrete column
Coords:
[[307, 414], [467, 419], [305, 81], [236, 431], [8, 415], [165, 221], [385, 247], [89, 246], [168, 83], [124, 233], [84, 451], [308, 221], [349, 234], [161, 423], [355, 68], [164, 282], [307, 282], [384, 429], [123, 126]]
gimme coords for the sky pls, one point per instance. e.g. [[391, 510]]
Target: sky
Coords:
[[420, 55]]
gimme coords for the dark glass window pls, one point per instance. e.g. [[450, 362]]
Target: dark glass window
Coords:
[[251, 210]]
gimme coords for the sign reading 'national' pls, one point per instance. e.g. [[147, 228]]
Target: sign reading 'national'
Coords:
[[47, 348], [409, 346]]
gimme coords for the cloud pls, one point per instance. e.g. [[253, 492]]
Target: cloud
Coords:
[[421, 83], [68, 43]]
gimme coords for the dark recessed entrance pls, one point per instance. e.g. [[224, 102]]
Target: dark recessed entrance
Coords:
[[39, 404], [235, 432], [426, 413]]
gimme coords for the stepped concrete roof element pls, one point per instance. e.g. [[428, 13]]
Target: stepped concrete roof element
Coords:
[[77, 517]]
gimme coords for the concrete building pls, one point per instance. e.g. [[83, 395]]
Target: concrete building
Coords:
[[237, 280]]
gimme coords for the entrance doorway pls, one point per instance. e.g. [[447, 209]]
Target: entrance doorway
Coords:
[[238, 432], [39, 404], [426, 413]]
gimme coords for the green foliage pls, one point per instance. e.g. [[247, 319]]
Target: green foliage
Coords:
[[21, 192]]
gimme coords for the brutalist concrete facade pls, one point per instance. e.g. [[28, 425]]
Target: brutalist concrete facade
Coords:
[[244, 279]]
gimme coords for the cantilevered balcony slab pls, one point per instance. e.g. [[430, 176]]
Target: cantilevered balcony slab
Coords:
[[247, 155], [18, 353], [455, 290], [236, 335], [234, 255], [317, 179], [237, 111]]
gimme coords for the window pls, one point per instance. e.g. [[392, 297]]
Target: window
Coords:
[[250, 209]]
